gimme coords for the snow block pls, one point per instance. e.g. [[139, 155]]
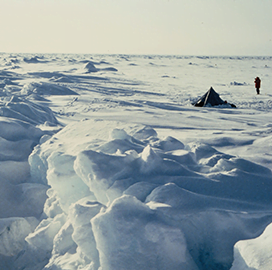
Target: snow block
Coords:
[[127, 232]]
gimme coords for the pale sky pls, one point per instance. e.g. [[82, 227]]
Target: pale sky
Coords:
[[181, 27]]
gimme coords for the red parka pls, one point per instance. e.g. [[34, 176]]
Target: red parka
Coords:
[[257, 83]]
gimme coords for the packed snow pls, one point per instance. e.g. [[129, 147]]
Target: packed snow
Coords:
[[106, 164]]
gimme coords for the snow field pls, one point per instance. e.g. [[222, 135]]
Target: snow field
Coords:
[[105, 164]]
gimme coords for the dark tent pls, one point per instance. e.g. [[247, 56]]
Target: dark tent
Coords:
[[211, 98]]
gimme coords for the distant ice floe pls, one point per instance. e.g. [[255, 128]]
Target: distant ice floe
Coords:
[[131, 200]]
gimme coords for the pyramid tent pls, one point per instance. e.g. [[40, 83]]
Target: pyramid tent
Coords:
[[211, 98]]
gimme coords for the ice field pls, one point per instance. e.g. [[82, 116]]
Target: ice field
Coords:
[[105, 164]]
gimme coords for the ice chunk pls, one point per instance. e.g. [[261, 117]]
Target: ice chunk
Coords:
[[145, 133], [130, 236], [119, 134], [121, 146], [118, 187], [43, 236], [38, 166], [254, 253], [21, 200], [13, 232], [99, 171], [63, 241], [81, 214], [140, 190], [122, 142], [70, 261], [152, 163], [52, 206], [150, 160], [63, 179], [169, 144]]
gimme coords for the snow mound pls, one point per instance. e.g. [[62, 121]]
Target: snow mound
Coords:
[[22, 198], [34, 60], [19, 196], [90, 67], [46, 88], [238, 83], [24, 110]]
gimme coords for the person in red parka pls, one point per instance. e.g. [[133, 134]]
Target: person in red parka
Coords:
[[257, 85]]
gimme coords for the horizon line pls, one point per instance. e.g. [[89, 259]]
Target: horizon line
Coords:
[[142, 54]]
